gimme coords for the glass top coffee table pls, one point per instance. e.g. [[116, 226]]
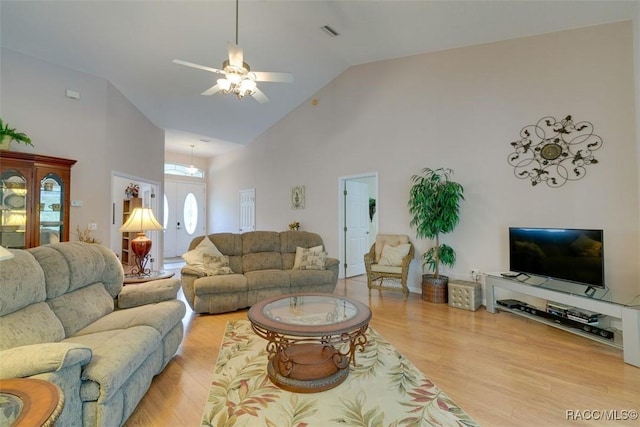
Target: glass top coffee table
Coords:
[[311, 338]]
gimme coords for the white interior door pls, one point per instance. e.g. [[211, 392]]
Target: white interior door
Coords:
[[184, 215], [357, 226], [247, 210]]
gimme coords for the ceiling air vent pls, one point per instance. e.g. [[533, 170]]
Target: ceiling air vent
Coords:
[[330, 31]]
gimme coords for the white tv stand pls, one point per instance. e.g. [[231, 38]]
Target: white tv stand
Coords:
[[604, 301]]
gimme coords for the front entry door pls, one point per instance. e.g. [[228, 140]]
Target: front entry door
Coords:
[[184, 216], [357, 226]]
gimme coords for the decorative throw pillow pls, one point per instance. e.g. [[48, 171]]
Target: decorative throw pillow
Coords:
[[393, 255], [313, 260], [215, 265], [205, 247], [300, 251]]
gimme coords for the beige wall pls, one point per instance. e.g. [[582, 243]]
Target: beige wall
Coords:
[[460, 109], [102, 130]]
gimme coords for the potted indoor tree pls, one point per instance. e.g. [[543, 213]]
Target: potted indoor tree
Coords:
[[434, 204], [8, 134]]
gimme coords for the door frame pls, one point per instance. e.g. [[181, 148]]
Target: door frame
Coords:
[[342, 215]]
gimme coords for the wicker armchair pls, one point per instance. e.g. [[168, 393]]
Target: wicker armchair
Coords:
[[377, 273]]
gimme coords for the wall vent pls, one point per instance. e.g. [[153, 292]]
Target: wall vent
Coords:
[[330, 31]]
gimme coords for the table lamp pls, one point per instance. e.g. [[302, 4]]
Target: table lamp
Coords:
[[5, 254], [141, 220]]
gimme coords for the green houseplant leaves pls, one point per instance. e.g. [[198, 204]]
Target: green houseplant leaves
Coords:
[[12, 134], [434, 204]]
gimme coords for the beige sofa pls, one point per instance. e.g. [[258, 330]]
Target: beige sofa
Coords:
[[58, 322], [261, 263]]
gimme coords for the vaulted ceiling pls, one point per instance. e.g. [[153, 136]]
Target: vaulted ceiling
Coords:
[[132, 43]]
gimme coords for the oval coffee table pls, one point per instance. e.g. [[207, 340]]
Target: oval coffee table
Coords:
[[311, 338]]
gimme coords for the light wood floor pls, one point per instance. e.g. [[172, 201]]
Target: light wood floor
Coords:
[[503, 370]]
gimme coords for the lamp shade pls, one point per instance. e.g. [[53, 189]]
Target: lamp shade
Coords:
[[5, 254], [141, 219]]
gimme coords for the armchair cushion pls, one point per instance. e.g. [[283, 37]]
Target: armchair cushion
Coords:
[[379, 268], [393, 255], [389, 239]]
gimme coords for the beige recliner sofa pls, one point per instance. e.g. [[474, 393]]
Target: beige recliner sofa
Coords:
[[58, 323], [261, 264]]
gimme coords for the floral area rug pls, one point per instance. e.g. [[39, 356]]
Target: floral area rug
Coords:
[[384, 389]]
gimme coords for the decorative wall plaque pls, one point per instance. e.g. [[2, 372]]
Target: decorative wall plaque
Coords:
[[297, 197], [554, 152]]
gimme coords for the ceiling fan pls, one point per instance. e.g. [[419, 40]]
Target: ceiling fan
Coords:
[[238, 77]]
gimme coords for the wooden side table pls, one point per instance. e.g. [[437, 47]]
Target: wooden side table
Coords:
[[38, 402]]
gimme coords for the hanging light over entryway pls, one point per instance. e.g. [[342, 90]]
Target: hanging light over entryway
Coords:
[[192, 169]]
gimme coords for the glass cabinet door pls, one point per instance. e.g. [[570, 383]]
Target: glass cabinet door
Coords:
[[13, 209], [51, 209]]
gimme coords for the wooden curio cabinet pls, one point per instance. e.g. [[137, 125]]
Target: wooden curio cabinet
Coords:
[[35, 195]]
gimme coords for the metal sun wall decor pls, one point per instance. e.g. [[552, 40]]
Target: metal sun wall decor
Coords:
[[553, 151]]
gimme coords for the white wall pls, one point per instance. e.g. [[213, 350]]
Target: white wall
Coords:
[[461, 109], [636, 57], [185, 159], [102, 130]]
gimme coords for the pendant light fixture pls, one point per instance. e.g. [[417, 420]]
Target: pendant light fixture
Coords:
[[192, 169]]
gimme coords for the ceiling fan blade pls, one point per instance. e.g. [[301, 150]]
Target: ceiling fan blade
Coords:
[[236, 57], [259, 96], [211, 90], [198, 66], [263, 76]]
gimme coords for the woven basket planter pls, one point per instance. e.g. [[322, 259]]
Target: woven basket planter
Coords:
[[435, 290]]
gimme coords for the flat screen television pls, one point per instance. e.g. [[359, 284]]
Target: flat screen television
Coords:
[[572, 255]]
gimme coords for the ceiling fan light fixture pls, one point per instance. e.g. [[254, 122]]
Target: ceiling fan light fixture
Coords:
[[248, 87], [224, 85], [238, 78], [234, 78]]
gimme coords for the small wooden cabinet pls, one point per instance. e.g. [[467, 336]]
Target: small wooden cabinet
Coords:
[[35, 195], [128, 206]]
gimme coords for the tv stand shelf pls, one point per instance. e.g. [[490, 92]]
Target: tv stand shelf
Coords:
[[603, 301]]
